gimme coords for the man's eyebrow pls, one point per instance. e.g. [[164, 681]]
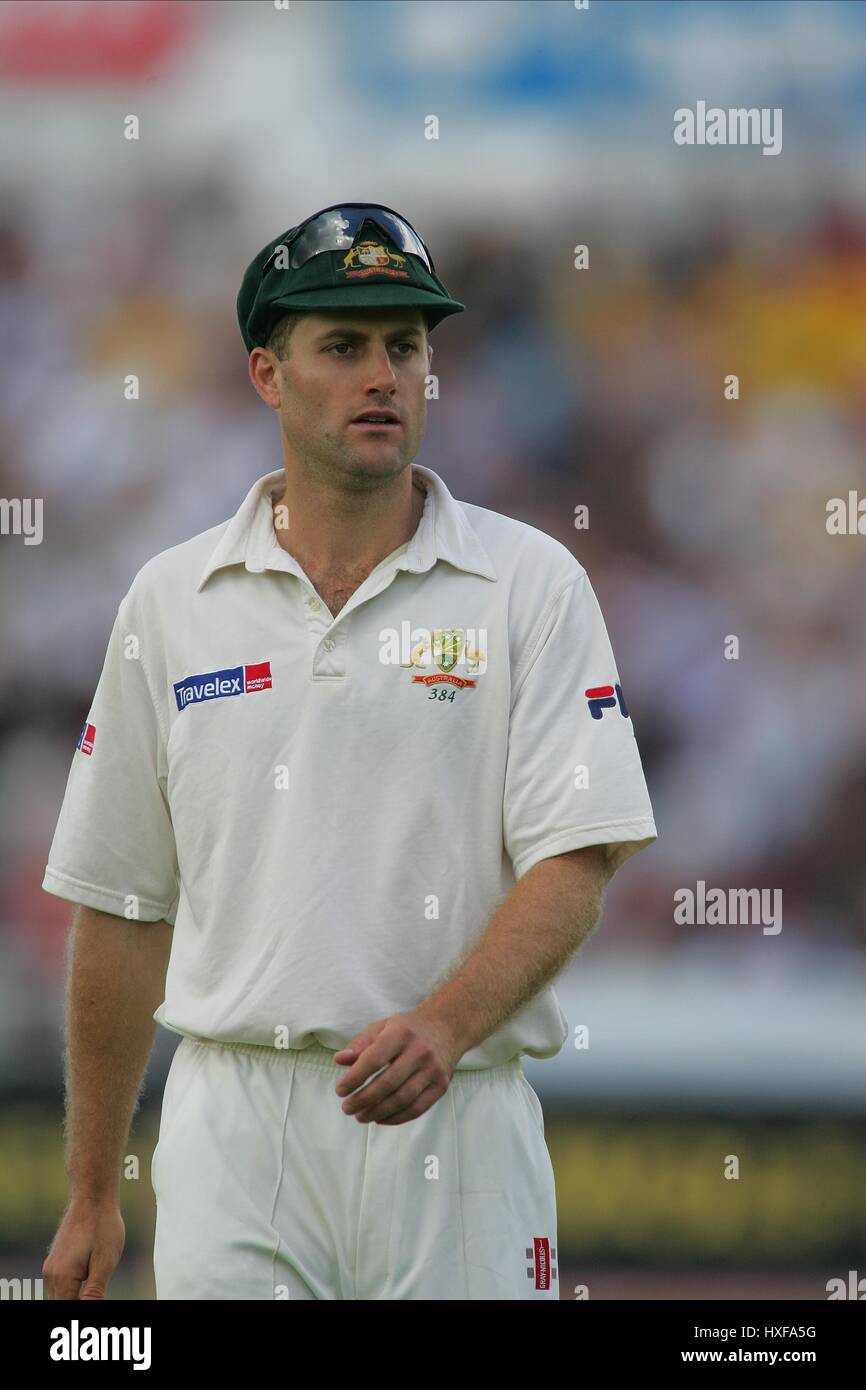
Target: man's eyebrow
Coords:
[[358, 335]]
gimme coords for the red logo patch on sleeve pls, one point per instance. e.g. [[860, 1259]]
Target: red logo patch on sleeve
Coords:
[[85, 739]]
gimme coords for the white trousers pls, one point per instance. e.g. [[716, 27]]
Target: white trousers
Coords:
[[265, 1189]]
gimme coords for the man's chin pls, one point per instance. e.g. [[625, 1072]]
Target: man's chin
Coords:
[[387, 461]]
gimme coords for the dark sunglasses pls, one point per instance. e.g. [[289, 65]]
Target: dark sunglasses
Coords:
[[335, 229]]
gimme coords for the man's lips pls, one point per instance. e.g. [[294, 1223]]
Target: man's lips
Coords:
[[376, 424]]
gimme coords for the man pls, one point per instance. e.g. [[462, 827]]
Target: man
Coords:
[[358, 768]]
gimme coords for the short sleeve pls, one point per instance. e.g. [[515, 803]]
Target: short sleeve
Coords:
[[114, 846], [573, 774]]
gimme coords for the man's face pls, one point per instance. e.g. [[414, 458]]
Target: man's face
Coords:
[[342, 364]]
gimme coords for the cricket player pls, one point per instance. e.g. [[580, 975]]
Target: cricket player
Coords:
[[356, 773]]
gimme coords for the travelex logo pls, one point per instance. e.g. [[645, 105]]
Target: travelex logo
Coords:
[[85, 739], [213, 685], [600, 698]]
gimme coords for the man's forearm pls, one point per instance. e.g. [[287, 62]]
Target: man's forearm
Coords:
[[529, 939], [116, 980]]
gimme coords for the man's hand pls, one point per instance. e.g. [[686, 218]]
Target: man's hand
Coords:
[[85, 1251], [419, 1055]]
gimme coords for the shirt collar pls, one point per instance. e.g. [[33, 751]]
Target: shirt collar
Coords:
[[443, 533]]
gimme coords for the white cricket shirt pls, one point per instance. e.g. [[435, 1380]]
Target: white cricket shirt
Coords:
[[327, 809]]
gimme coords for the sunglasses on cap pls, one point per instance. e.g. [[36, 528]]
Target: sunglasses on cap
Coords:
[[335, 229]]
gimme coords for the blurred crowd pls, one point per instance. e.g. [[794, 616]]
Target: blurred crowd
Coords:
[[558, 388]]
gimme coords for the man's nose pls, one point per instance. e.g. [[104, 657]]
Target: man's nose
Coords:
[[380, 369]]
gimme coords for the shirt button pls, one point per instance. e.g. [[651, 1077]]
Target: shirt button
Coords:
[[314, 603], [329, 644]]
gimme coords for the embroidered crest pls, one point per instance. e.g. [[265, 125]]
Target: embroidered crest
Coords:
[[446, 648], [373, 259]]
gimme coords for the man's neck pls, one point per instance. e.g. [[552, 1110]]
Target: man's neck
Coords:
[[351, 542]]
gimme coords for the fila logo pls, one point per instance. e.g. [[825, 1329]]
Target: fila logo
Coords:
[[543, 1262], [600, 698], [212, 685], [85, 739]]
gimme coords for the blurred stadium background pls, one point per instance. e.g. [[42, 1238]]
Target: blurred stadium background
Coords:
[[557, 387]]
